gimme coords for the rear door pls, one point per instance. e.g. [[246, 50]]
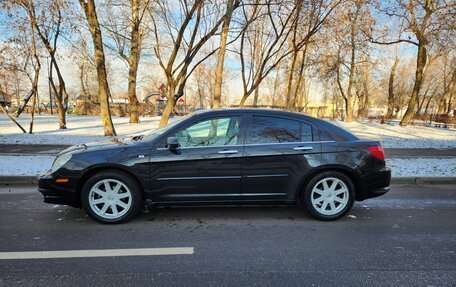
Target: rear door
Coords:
[[277, 153]]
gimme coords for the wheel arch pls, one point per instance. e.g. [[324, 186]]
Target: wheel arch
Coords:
[[350, 173], [94, 170]]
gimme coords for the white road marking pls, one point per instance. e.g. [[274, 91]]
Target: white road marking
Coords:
[[96, 253]]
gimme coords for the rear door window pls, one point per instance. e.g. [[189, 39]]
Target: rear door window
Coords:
[[264, 130]]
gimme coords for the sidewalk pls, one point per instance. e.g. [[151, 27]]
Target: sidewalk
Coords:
[[29, 149]]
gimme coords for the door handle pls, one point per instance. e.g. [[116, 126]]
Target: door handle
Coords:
[[231, 151], [300, 148]]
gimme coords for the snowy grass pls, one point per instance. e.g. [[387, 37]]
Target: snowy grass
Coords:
[[25, 165], [34, 165], [89, 128], [80, 129], [394, 136], [422, 166]]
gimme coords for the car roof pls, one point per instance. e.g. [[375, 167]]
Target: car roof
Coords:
[[253, 111], [334, 130]]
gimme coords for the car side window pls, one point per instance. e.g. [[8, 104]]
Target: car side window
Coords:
[[211, 132], [273, 130]]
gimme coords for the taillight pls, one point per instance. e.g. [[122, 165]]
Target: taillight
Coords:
[[377, 151]]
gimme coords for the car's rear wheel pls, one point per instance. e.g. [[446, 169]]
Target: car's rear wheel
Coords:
[[329, 195], [111, 197]]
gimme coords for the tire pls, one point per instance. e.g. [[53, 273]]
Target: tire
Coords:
[[329, 195], [120, 204]]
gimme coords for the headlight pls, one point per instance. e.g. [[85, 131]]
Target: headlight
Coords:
[[60, 161]]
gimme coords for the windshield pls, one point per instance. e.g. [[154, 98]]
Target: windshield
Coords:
[[155, 133]]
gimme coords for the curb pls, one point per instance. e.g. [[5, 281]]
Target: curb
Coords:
[[21, 180], [18, 180], [423, 180]]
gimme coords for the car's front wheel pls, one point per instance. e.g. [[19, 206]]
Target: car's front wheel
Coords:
[[111, 197], [329, 195]]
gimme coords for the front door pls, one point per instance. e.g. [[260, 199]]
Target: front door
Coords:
[[277, 154], [206, 166]]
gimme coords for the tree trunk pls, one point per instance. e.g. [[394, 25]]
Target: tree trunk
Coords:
[[32, 116], [133, 62], [20, 109], [169, 106], [255, 97], [35, 80], [363, 109], [221, 55], [427, 105], [62, 98], [301, 90], [132, 75], [420, 107], [341, 90], [244, 98], [442, 106], [60, 108], [103, 87], [348, 100], [449, 90], [420, 64], [289, 96], [450, 103], [389, 113]]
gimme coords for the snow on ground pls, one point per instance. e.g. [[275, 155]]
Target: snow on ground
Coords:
[[394, 136], [422, 166], [88, 128], [80, 129], [25, 165], [34, 165]]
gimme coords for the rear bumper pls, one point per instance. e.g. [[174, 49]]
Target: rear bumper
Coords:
[[374, 184], [55, 193]]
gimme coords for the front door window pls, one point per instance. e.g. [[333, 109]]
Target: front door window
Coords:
[[212, 132]]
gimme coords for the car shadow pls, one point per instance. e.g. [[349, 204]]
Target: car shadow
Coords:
[[172, 216]]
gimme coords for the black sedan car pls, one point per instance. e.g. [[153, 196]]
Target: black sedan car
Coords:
[[232, 156]]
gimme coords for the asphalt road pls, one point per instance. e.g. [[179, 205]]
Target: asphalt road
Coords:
[[407, 237]]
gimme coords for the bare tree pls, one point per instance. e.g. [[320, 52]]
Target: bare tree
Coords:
[[28, 49], [48, 29], [230, 5], [128, 34], [357, 18], [103, 87], [424, 19], [389, 113], [179, 40], [448, 86], [37, 68], [278, 20]]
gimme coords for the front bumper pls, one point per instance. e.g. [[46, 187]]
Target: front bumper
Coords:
[[375, 183], [57, 193]]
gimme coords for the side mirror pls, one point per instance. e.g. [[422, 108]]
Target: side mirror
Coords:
[[172, 143]]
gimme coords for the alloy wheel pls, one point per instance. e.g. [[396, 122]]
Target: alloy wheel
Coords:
[[110, 199], [329, 196]]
